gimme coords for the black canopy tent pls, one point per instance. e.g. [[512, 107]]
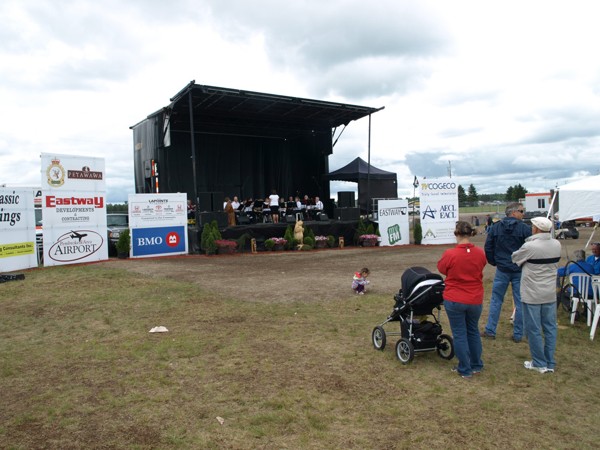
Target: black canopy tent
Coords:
[[212, 139], [372, 182]]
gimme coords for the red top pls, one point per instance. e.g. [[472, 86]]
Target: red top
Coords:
[[463, 266]]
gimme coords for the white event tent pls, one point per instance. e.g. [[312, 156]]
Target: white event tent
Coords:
[[580, 199]]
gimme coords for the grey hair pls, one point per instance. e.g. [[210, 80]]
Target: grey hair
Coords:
[[579, 255], [511, 207]]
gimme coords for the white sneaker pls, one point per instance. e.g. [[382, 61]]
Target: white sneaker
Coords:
[[529, 365]]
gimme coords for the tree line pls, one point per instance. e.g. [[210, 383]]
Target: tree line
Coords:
[[470, 197]]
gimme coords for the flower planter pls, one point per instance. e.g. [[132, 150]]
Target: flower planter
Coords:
[[225, 250], [278, 247], [320, 244], [368, 243]]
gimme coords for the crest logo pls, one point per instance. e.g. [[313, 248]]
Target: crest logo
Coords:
[[55, 174]]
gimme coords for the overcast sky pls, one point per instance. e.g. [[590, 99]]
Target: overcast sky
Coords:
[[501, 92]]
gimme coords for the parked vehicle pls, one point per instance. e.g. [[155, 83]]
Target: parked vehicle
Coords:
[[531, 214], [115, 224]]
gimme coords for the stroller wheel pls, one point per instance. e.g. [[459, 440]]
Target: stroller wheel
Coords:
[[445, 346], [378, 338], [405, 351]]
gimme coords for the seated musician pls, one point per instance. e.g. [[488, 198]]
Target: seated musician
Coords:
[[235, 203], [318, 204], [247, 208], [266, 210]]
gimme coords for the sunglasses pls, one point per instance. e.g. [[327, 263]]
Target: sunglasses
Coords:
[[521, 210]]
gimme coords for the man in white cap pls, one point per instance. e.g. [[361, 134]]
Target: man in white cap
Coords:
[[538, 258]]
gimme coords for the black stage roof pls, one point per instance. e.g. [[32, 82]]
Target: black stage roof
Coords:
[[225, 111]]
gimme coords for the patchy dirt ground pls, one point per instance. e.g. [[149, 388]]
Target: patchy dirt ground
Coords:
[[302, 276]]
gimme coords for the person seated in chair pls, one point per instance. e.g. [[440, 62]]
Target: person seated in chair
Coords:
[[235, 203], [579, 265], [266, 210], [594, 258], [318, 204]]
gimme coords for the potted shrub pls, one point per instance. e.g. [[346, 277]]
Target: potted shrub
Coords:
[[123, 244], [269, 244], [418, 233], [330, 241]]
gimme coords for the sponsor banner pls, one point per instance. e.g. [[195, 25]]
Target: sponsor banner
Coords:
[[158, 241], [74, 245], [152, 210], [68, 172], [158, 224], [17, 229], [73, 209], [439, 210], [393, 222]]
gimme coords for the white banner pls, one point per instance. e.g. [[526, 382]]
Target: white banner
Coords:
[[393, 222], [73, 209], [73, 173], [17, 229], [158, 224], [74, 227], [438, 198]]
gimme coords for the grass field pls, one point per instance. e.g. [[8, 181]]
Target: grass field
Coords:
[[79, 369]]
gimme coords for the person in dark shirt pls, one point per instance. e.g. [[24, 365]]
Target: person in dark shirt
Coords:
[[504, 238]]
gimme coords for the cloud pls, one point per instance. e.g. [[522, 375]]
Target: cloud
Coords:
[[504, 94]]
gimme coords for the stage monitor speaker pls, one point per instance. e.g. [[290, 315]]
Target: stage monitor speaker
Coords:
[[346, 199], [322, 217], [243, 220], [290, 218], [347, 213], [218, 198], [208, 217], [204, 202]]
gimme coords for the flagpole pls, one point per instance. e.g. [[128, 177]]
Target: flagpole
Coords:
[[415, 184]]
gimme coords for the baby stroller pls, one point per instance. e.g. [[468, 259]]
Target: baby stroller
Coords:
[[421, 292]]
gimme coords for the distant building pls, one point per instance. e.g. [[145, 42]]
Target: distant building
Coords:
[[538, 202]]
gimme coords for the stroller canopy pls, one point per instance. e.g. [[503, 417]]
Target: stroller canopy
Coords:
[[414, 278]]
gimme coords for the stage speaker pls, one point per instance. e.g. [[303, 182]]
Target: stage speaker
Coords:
[[347, 213], [208, 217], [204, 202], [290, 218], [346, 199], [218, 198], [243, 220], [322, 217]]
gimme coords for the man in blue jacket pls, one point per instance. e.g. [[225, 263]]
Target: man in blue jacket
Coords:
[[594, 258], [504, 238]]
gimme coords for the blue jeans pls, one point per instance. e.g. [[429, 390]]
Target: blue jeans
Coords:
[[538, 319], [464, 321], [501, 282]]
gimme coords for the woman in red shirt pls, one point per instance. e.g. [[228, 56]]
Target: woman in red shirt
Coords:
[[463, 298]]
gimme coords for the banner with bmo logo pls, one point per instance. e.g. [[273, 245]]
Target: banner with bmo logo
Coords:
[[158, 224], [158, 241]]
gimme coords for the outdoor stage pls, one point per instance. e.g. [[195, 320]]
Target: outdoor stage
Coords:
[[263, 231]]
